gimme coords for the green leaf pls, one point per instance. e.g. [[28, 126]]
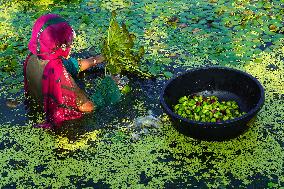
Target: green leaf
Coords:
[[271, 185], [168, 74], [14, 90], [118, 49], [126, 89], [155, 70]]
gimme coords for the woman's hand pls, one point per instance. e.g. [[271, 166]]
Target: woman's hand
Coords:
[[87, 107], [92, 61], [99, 59]]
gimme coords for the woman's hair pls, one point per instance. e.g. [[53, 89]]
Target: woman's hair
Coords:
[[49, 32]]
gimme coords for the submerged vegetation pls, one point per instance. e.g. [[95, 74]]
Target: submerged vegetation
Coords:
[[176, 35]]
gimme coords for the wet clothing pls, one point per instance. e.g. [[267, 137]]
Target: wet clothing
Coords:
[[46, 77], [34, 71]]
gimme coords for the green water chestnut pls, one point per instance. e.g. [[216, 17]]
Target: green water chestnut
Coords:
[[207, 109]]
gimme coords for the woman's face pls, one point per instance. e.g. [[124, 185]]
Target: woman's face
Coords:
[[64, 50], [67, 47]]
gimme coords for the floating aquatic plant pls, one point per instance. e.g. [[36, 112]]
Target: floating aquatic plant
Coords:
[[106, 93], [119, 52], [29, 156]]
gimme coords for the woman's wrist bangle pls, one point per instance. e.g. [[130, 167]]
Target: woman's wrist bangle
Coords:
[[95, 61], [79, 64]]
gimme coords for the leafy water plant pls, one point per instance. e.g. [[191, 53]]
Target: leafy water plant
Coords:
[[118, 50], [167, 158], [107, 92], [207, 109]]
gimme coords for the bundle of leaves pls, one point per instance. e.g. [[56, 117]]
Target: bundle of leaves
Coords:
[[106, 93], [207, 109], [118, 50]]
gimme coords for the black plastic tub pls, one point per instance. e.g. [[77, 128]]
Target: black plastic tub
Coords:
[[226, 84]]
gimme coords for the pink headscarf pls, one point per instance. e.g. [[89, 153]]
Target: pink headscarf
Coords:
[[48, 34]]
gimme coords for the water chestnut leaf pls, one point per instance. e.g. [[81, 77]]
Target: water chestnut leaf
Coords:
[[118, 50], [168, 74]]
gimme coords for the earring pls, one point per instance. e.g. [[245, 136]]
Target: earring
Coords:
[[63, 46], [74, 34]]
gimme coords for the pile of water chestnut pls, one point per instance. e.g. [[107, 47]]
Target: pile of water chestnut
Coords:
[[207, 109]]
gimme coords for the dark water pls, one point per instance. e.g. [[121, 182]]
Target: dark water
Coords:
[[146, 91], [143, 91], [14, 116]]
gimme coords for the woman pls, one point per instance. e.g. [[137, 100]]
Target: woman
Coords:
[[49, 72]]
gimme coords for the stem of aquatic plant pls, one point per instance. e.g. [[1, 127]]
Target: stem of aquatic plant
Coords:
[[108, 36]]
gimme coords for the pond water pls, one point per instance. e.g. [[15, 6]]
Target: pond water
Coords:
[[103, 150], [144, 96], [142, 90]]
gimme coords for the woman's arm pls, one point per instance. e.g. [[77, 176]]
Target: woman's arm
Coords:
[[93, 61]]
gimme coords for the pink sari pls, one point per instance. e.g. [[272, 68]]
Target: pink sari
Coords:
[[49, 33]]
